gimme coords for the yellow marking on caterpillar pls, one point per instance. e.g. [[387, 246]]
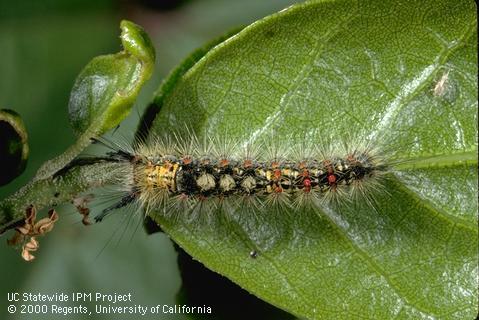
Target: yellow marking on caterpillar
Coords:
[[162, 176], [269, 175]]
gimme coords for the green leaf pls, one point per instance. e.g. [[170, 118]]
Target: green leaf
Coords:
[[105, 91], [13, 145], [402, 71]]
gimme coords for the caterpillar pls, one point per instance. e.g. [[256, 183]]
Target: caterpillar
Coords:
[[172, 175]]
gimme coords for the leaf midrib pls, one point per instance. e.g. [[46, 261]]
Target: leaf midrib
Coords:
[[439, 161]]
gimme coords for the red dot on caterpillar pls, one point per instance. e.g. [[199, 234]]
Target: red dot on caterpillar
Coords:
[[247, 163], [277, 174], [332, 179], [307, 183], [304, 173], [186, 160], [224, 162]]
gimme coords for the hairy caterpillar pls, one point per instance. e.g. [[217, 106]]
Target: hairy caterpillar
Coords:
[[172, 175]]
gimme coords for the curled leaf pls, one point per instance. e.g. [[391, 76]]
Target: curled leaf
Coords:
[[30, 246], [81, 204], [29, 230], [106, 89]]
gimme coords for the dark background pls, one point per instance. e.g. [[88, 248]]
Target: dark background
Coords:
[[43, 46]]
